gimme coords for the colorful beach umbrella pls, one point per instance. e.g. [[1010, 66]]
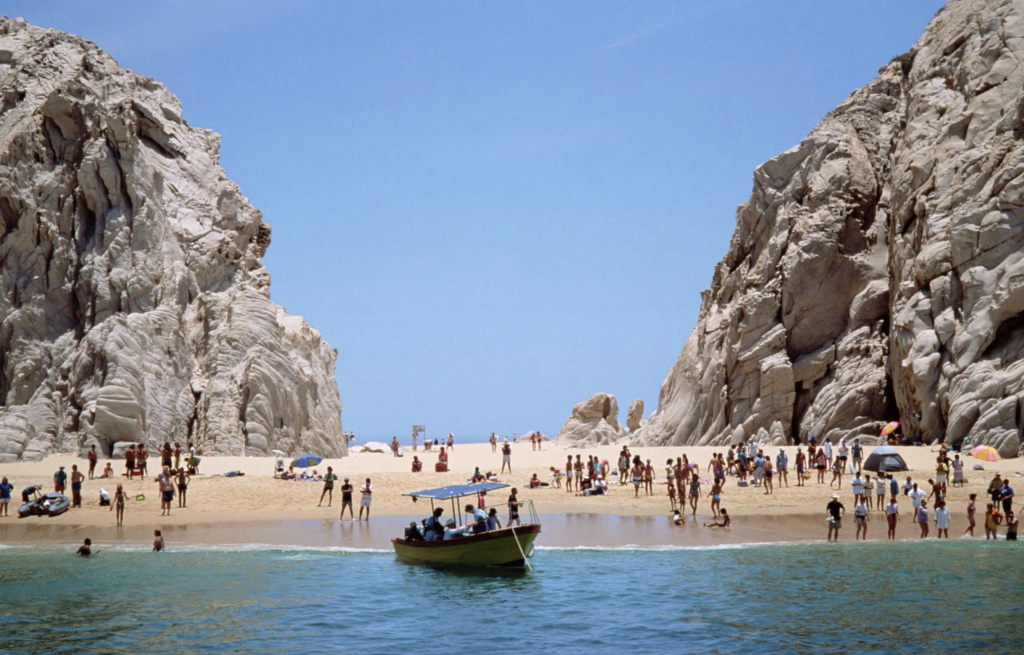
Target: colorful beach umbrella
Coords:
[[890, 428], [306, 460], [986, 453]]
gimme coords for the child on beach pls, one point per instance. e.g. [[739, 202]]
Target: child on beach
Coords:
[[860, 519], [158, 542], [992, 520], [722, 523]]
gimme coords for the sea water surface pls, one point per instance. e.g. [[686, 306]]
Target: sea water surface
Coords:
[[907, 597]]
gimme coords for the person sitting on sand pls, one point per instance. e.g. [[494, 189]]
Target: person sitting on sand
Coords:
[[417, 465], [289, 474], [108, 472], [534, 482], [722, 522], [477, 476], [677, 518], [442, 461]]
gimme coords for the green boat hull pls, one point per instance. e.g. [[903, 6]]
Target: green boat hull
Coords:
[[504, 547]]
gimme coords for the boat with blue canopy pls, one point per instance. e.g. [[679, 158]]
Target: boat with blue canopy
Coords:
[[508, 546]]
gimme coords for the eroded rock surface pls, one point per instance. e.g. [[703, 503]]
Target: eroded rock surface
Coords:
[[133, 299], [875, 273], [594, 422]]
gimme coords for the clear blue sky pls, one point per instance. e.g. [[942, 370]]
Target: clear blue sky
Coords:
[[495, 209]]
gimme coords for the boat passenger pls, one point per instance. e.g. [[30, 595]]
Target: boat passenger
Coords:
[[452, 532], [432, 527], [479, 519], [412, 533], [493, 523]]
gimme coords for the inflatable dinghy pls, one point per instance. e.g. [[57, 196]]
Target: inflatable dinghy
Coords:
[[52, 504]]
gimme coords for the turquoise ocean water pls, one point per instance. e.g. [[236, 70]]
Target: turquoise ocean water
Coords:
[[906, 597]]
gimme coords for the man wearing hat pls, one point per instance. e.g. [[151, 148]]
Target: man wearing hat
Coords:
[[452, 532], [835, 511], [346, 500]]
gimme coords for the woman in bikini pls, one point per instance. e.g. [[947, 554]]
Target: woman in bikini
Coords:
[[716, 497], [119, 497]]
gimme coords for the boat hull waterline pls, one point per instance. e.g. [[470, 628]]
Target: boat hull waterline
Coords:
[[497, 548]]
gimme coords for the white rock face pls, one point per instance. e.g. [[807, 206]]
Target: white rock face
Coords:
[[134, 303], [875, 271], [635, 416], [594, 422]]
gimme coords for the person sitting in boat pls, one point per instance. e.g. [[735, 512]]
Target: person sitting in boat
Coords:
[[433, 529], [477, 476], [412, 533], [452, 532], [492, 520], [417, 465], [479, 519]]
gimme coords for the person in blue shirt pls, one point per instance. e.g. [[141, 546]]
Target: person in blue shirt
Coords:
[[5, 496], [479, 518], [433, 530], [1006, 495]]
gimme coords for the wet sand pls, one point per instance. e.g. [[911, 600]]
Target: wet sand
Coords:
[[559, 530]]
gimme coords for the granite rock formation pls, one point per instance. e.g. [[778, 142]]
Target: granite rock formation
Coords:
[[134, 305], [594, 422], [875, 273], [635, 416]]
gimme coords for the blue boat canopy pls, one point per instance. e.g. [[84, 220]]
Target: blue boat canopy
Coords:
[[456, 491]]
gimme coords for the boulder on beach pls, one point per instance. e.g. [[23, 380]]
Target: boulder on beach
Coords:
[[594, 422]]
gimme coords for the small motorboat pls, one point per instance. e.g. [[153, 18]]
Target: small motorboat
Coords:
[[510, 546], [51, 504]]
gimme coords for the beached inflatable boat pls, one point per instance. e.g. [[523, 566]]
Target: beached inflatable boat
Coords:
[[52, 504], [506, 547]]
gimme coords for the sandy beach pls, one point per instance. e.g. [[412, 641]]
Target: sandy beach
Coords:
[[257, 508]]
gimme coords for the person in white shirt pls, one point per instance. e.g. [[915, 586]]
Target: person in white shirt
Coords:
[[860, 518], [892, 515], [452, 532], [828, 451], [880, 492], [858, 489], [367, 494], [942, 519]]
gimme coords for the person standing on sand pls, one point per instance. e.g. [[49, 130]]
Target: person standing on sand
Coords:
[[782, 465], [716, 498], [183, 480], [1011, 526], [942, 519], [972, 509], [5, 496], [922, 518], [835, 511], [857, 486], [1006, 495], [892, 516], [880, 492], [93, 457], [649, 478], [60, 480], [494, 443], [129, 460], [801, 465], [451, 442], [917, 496], [346, 501], [694, 492], [769, 474], [158, 541], [827, 449], [119, 499], [142, 460], [328, 487], [166, 456], [177, 455], [623, 466], [820, 463], [76, 486], [166, 492], [860, 519], [506, 457], [858, 454], [992, 520], [837, 473], [367, 494], [568, 474], [637, 474]]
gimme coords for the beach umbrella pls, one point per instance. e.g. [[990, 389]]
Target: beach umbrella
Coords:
[[986, 453], [884, 459], [890, 428], [306, 460]]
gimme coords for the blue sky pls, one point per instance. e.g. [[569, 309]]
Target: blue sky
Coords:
[[495, 209]]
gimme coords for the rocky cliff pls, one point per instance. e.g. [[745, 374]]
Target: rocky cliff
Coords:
[[876, 271], [133, 302]]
